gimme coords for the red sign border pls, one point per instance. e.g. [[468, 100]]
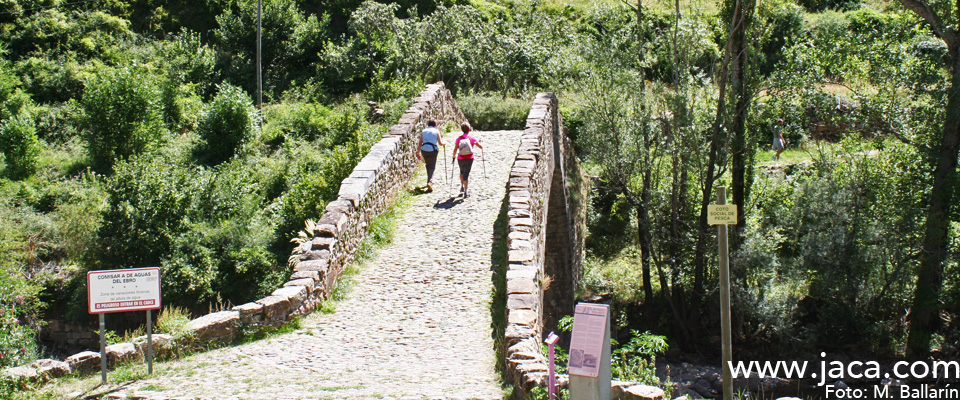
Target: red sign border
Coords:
[[104, 271]]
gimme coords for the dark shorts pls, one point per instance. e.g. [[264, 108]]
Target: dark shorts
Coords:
[[465, 165]]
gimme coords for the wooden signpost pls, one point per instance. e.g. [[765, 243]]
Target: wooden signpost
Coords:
[[721, 215], [120, 290]]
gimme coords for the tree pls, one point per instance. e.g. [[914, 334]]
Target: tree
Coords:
[[925, 312], [124, 115]]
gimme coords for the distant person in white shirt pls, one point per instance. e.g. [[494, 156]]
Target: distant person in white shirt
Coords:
[[430, 143], [778, 143]]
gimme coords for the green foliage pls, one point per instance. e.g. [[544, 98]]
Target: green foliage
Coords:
[[149, 198], [228, 121], [123, 113], [821, 5], [19, 145], [290, 40], [636, 360], [173, 321], [493, 112], [17, 339]]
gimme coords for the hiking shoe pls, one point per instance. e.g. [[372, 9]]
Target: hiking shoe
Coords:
[[774, 158], [466, 193], [429, 186]]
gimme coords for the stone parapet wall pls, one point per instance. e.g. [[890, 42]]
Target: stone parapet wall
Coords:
[[533, 296], [320, 260], [530, 180]]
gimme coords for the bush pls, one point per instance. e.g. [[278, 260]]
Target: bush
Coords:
[[20, 146], [229, 120], [123, 113], [491, 112]]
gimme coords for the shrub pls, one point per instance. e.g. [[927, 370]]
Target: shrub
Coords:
[[123, 113], [20, 146], [229, 120], [149, 201], [173, 321], [493, 112]]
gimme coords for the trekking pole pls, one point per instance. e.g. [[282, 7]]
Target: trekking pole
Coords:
[[444, 156], [483, 158]]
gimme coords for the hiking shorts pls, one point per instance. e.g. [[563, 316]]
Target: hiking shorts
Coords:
[[465, 165]]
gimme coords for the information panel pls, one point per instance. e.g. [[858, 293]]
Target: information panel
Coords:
[[118, 290], [586, 344], [725, 214]]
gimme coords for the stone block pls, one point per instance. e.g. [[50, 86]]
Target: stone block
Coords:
[[522, 285], [51, 368], [250, 313], [341, 206], [526, 164], [319, 266], [308, 283], [323, 243], [521, 272], [520, 182], [162, 344], [331, 223], [523, 317], [121, 352], [295, 294], [520, 256], [275, 307], [21, 376], [399, 130], [518, 235], [637, 392], [86, 361], [520, 245], [312, 275], [315, 255], [515, 333], [218, 325], [326, 230], [517, 222], [522, 301], [352, 192]]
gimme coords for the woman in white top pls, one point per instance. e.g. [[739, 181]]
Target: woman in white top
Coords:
[[429, 144]]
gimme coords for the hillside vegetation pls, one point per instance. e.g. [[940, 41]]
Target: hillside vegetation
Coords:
[[130, 138]]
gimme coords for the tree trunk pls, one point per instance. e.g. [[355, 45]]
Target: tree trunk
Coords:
[[925, 313], [741, 153]]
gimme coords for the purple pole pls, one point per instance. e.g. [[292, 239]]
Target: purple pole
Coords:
[[551, 341]]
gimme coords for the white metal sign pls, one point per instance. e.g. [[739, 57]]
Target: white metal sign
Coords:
[[118, 290], [725, 214], [587, 341]]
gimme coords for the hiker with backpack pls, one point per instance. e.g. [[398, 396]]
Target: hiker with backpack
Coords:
[[430, 142], [463, 153]]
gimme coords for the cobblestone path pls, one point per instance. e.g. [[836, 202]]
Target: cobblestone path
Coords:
[[416, 324]]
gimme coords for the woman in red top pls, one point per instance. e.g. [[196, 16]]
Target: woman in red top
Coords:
[[463, 153]]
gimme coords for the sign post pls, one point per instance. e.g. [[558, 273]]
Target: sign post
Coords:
[[119, 290], [721, 215], [551, 342], [589, 363]]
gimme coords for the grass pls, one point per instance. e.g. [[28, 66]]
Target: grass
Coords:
[[808, 151]]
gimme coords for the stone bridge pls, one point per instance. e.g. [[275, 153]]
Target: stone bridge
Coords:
[[455, 307]]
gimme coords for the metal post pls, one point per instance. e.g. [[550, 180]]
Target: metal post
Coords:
[[727, 346], [551, 367], [149, 342], [103, 350], [259, 63]]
